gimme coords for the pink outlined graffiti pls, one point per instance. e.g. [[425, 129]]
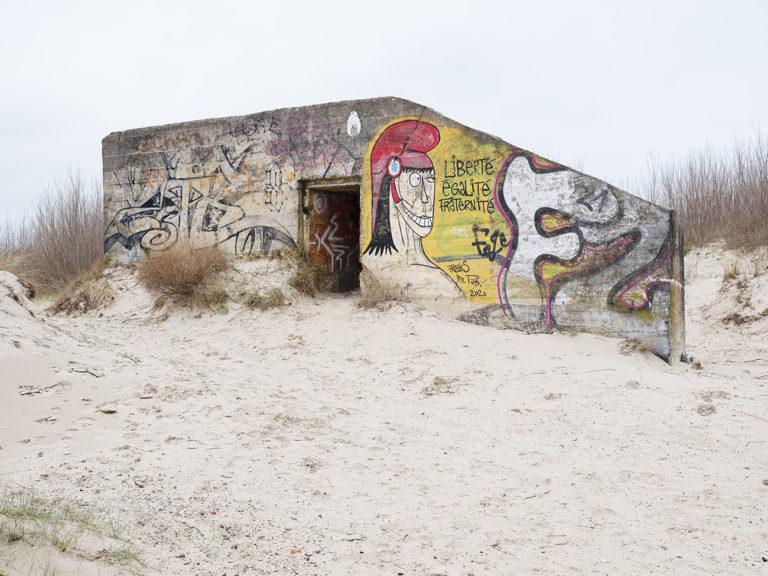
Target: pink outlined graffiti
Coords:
[[634, 292], [587, 205], [591, 258], [511, 222]]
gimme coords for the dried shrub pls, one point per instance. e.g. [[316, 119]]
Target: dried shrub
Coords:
[[310, 275], [274, 298], [60, 240], [184, 273], [90, 291], [377, 293], [718, 195]]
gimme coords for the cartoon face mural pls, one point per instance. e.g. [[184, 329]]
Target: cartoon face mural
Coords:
[[402, 188], [415, 190]]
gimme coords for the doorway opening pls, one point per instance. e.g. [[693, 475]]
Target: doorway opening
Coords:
[[333, 231]]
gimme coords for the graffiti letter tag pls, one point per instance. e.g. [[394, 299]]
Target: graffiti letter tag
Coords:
[[498, 241]]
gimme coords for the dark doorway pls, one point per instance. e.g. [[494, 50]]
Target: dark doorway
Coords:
[[334, 234]]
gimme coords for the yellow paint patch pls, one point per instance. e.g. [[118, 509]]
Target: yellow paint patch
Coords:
[[468, 232], [553, 221]]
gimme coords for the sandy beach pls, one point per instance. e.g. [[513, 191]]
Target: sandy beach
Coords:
[[322, 438]]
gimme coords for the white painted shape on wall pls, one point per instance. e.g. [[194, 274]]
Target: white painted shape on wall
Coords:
[[353, 124], [525, 192]]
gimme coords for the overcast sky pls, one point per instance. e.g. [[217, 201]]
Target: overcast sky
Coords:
[[595, 85]]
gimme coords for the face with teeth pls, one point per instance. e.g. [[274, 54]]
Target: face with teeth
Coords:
[[416, 189]]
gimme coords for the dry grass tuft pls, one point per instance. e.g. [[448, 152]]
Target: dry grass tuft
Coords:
[[12, 262], [377, 293], [211, 295], [159, 302], [60, 240], [737, 319], [186, 274], [310, 276], [91, 291], [718, 195], [635, 346], [730, 270], [759, 263], [89, 296], [705, 409], [274, 298]]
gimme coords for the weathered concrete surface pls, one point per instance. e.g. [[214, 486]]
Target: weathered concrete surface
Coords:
[[461, 221]]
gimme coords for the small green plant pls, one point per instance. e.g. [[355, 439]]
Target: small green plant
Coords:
[[274, 298], [122, 554], [27, 517], [64, 541], [253, 300], [211, 296]]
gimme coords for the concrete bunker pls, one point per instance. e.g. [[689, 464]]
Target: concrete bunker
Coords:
[[459, 220]]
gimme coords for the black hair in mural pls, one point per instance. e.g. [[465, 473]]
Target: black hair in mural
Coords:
[[381, 238]]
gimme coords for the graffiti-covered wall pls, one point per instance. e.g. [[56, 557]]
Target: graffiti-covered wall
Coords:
[[461, 221], [231, 182]]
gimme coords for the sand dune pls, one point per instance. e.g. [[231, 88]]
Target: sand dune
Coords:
[[322, 438]]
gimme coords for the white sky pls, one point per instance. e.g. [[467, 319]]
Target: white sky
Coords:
[[595, 85]]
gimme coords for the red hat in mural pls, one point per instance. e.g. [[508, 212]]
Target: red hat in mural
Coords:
[[402, 145]]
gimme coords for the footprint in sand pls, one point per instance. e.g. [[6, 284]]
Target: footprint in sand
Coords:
[[84, 421], [442, 386], [28, 390]]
